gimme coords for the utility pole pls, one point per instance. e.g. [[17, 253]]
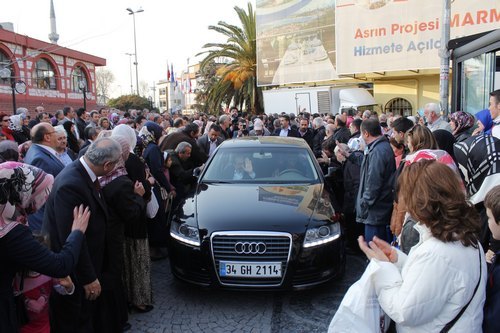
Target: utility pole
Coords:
[[444, 54], [131, 12], [130, 64]]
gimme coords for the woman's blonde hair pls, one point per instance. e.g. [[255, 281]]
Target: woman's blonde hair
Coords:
[[420, 137]]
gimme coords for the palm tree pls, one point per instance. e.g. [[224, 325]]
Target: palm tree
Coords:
[[237, 81]]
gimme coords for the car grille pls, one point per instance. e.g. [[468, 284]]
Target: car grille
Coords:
[[278, 247]]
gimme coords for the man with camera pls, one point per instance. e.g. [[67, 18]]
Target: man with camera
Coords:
[[242, 129]]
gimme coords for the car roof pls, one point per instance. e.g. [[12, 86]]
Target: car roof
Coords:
[[270, 141]]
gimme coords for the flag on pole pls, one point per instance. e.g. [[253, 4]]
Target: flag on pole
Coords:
[[168, 72], [172, 79]]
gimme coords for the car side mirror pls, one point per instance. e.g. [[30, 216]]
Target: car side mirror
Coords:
[[331, 171]]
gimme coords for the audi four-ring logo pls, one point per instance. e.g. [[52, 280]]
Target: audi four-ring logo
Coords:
[[250, 248]]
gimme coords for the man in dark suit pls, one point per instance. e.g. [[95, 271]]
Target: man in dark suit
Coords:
[[78, 184], [80, 123], [91, 134], [210, 141], [305, 132], [42, 154], [181, 174], [286, 129], [189, 134]]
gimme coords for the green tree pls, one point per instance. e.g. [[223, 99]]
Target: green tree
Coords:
[[237, 80], [126, 102]]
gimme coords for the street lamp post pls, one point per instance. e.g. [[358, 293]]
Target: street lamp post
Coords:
[[131, 12], [83, 87], [15, 85], [130, 63]]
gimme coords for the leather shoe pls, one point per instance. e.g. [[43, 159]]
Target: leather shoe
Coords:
[[143, 308]]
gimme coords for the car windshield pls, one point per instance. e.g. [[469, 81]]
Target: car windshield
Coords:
[[262, 165]]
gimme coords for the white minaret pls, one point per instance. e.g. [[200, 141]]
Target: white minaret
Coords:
[[53, 36]]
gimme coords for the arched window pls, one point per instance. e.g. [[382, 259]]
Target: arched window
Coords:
[[399, 106], [77, 77], [6, 62], [45, 77]]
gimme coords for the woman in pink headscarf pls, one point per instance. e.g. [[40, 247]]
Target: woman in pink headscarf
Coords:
[[23, 190]]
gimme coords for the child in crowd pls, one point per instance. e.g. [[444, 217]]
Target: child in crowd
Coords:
[[36, 289], [491, 322]]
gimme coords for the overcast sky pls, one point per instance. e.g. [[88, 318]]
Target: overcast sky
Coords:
[[170, 31]]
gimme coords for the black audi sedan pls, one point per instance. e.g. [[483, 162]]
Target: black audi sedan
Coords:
[[261, 217]]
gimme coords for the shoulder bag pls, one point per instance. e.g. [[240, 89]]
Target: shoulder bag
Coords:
[[448, 326]]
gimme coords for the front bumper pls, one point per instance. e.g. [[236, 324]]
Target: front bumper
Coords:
[[303, 268]]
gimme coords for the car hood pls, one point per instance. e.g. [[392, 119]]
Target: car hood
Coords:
[[288, 208]]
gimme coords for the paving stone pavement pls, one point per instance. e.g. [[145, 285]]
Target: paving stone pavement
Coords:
[[181, 307]]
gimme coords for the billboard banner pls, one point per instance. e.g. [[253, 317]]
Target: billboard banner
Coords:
[[295, 41], [389, 35]]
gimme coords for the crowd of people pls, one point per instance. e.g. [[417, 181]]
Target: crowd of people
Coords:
[[124, 173]]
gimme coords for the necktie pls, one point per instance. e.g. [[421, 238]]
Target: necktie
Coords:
[[97, 187]]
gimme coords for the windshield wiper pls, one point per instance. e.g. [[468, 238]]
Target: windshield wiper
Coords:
[[215, 182]]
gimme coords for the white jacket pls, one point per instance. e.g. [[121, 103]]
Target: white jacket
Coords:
[[425, 290]]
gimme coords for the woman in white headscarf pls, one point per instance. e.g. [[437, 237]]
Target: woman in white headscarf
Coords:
[[137, 265]]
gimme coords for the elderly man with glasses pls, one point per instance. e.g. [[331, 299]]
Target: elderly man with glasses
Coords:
[[43, 155]]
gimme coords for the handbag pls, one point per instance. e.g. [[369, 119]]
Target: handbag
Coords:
[[152, 206], [448, 326], [360, 310], [163, 192], [20, 304]]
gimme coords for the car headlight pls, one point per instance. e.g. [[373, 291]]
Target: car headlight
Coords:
[[185, 233], [321, 235]]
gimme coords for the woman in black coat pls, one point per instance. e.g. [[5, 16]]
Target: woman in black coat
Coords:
[[137, 265], [24, 189], [157, 227]]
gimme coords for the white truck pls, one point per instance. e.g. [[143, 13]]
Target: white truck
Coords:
[[316, 100]]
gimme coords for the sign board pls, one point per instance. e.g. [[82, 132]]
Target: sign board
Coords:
[[295, 41], [390, 35]]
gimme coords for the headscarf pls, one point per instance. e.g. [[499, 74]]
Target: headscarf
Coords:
[[463, 121], [72, 140], [155, 129], [16, 122], [484, 116], [8, 151], [445, 141], [119, 169], [22, 149], [432, 154], [23, 190], [146, 137], [478, 159], [114, 118], [128, 133]]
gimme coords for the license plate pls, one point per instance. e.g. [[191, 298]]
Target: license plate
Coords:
[[250, 269]]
